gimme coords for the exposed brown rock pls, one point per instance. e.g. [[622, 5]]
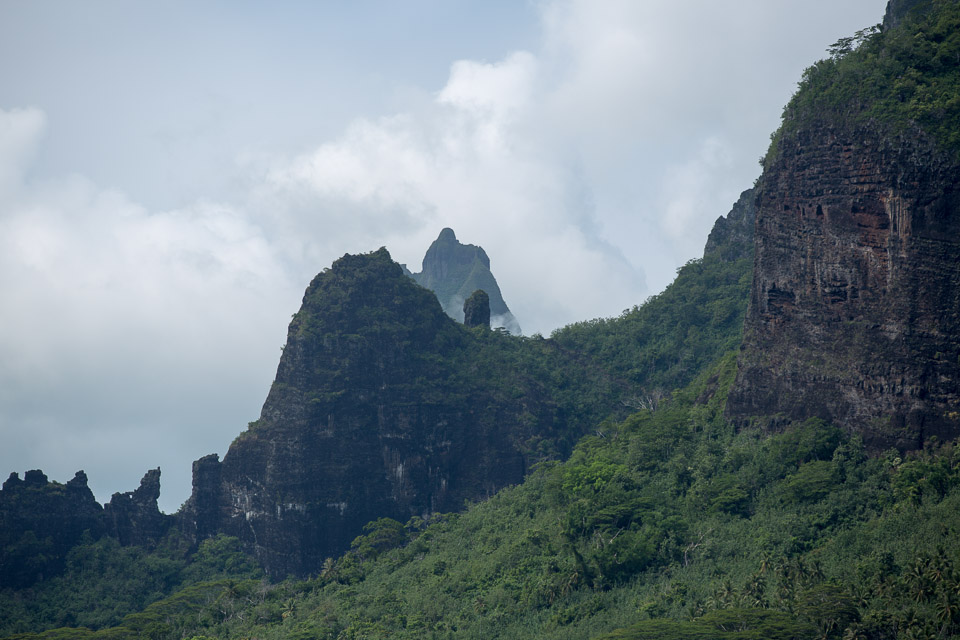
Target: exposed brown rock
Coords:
[[855, 308]]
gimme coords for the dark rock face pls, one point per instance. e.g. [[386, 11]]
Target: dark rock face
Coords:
[[40, 521], [453, 271], [897, 10], [476, 310], [344, 437], [133, 517], [200, 515], [381, 407], [855, 308], [732, 236]]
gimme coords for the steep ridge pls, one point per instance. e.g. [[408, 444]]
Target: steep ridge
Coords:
[[385, 407], [662, 344], [453, 271], [855, 306], [40, 521]]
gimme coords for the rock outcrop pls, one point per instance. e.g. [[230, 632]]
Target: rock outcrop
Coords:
[[40, 521], [476, 310], [732, 235], [200, 515], [133, 517], [855, 308], [382, 406], [453, 271], [897, 10]]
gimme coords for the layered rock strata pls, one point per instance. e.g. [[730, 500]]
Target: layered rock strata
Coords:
[[854, 314]]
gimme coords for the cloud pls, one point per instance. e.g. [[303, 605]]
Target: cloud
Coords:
[[468, 161], [120, 321], [19, 131], [499, 90], [694, 191]]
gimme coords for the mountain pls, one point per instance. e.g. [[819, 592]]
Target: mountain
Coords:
[[855, 306], [453, 271], [384, 411], [748, 454], [383, 406]]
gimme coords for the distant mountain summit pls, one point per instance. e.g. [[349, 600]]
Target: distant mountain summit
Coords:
[[453, 271]]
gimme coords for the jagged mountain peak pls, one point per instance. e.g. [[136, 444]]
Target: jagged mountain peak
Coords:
[[447, 235], [453, 271]]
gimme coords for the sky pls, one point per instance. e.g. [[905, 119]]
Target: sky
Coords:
[[173, 174]]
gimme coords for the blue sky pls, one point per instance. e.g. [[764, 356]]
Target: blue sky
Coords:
[[173, 174]]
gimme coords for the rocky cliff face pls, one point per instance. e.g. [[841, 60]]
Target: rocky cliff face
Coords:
[[133, 517], [855, 308], [897, 10], [40, 521], [382, 407], [476, 310], [732, 235], [453, 271]]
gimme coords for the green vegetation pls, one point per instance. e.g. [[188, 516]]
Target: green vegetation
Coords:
[[897, 78], [367, 329], [664, 522], [104, 583], [662, 344], [667, 524]]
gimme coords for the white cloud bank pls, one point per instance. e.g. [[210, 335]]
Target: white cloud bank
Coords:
[[124, 334]]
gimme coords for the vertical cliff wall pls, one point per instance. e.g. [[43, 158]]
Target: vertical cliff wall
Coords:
[[854, 314], [855, 307]]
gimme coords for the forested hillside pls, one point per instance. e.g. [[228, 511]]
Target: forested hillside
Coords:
[[688, 476], [668, 524], [570, 380]]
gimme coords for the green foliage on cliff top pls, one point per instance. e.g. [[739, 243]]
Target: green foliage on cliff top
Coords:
[[366, 330], [897, 77]]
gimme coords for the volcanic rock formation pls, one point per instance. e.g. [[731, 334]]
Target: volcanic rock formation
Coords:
[[40, 521], [854, 315], [382, 407], [453, 271], [476, 310]]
